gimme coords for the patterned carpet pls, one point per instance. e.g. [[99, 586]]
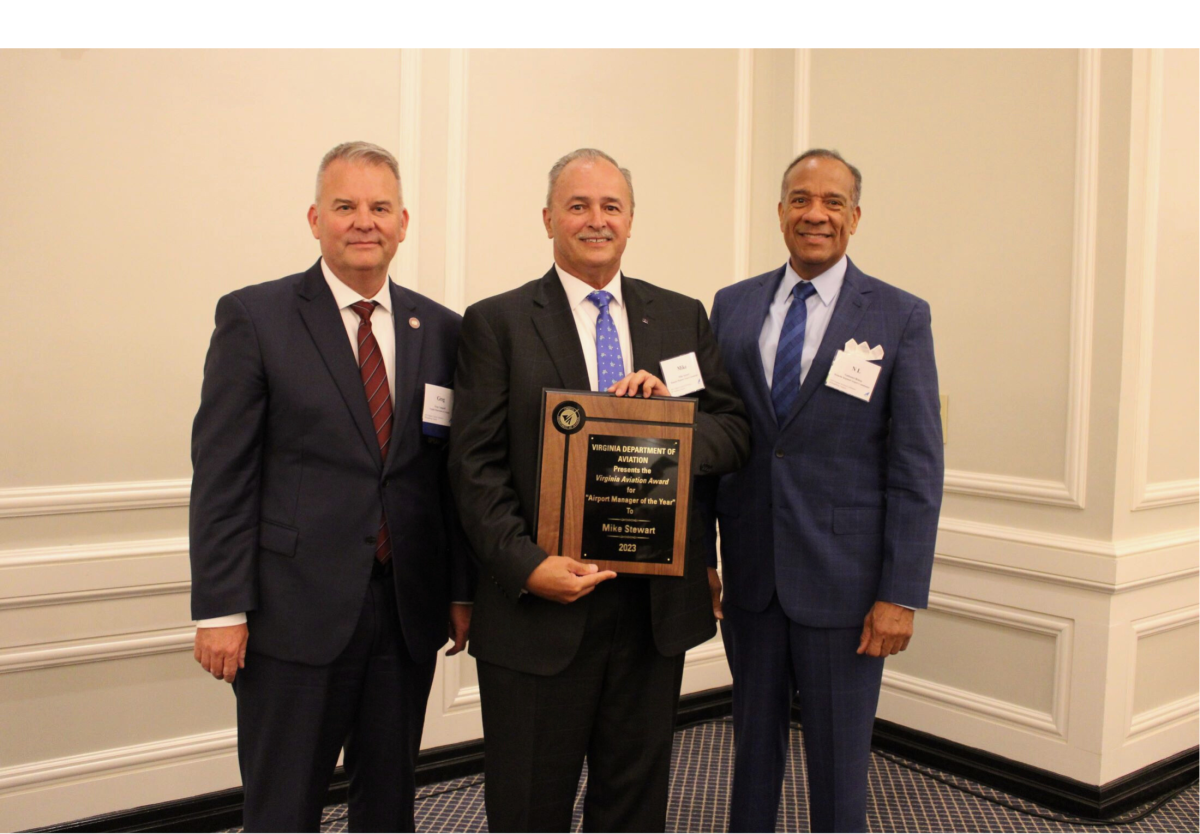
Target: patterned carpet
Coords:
[[904, 796]]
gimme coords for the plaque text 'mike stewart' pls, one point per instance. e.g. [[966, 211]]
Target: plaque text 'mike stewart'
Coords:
[[629, 498]]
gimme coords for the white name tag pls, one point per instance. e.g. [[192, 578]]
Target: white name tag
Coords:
[[681, 375], [439, 403], [853, 374]]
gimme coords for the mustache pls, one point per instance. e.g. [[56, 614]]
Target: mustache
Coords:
[[606, 234]]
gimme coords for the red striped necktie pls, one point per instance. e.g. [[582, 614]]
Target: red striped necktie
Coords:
[[379, 401]]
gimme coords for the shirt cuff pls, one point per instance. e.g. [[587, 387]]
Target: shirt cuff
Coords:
[[220, 622]]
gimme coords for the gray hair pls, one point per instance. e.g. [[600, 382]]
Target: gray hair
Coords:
[[363, 152], [592, 155], [822, 153]]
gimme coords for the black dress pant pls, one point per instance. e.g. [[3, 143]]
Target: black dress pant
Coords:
[[615, 704], [293, 719]]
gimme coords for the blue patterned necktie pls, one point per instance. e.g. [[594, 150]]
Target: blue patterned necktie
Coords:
[[785, 381], [610, 365]]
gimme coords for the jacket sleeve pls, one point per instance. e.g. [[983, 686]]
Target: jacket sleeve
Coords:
[[227, 437], [722, 440], [704, 487], [480, 474], [914, 467]]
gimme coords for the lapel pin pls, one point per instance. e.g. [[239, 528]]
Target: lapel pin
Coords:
[[414, 323], [645, 320]]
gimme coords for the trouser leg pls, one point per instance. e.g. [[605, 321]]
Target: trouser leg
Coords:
[[839, 693], [292, 719], [384, 740], [629, 755], [756, 645]]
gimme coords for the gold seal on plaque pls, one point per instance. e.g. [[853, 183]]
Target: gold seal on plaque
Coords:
[[568, 417]]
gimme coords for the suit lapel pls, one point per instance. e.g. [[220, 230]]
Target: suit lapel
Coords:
[[752, 315], [409, 341], [321, 316], [639, 309], [852, 303], [555, 324]]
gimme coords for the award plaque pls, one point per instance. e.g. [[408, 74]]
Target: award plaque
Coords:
[[614, 480]]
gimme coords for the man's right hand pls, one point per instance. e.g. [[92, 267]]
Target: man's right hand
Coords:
[[222, 650], [562, 579]]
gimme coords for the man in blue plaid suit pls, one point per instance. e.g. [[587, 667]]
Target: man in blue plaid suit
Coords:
[[827, 534]]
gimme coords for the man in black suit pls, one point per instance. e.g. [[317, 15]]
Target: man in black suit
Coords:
[[572, 661], [325, 549]]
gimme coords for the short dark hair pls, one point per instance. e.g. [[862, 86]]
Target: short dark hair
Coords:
[[823, 153]]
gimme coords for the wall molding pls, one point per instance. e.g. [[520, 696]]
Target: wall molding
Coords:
[[456, 183], [91, 650], [1086, 564], [1072, 490], [408, 154], [1052, 723], [801, 99], [97, 595], [743, 149], [1168, 493], [110, 762], [1141, 268], [1155, 718], [21, 502], [81, 553], [455, 696], [1095, 547], [1144, 723]]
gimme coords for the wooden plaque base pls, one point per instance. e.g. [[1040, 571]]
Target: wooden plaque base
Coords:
[[615, 479]]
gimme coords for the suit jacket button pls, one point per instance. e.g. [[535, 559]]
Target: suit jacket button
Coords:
[[384, 482], [778, 453], [369, 540]]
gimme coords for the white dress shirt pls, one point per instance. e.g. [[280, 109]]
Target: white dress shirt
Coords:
[[828, 286], [586, 313], [385, 336]]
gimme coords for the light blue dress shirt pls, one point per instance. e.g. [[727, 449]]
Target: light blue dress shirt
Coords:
[[820, 306]]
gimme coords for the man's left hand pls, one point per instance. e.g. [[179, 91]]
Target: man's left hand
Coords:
[[460, 627], [640, 382], [886, 630]]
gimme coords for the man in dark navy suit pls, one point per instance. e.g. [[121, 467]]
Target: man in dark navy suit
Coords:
[[827, 534], [325, 548], [572, 662]]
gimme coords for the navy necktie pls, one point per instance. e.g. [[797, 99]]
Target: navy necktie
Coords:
[[610, 365], [785, 381]]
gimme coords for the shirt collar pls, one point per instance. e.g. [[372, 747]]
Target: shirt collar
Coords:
[[578, 290], [344, 296], [828, 284]]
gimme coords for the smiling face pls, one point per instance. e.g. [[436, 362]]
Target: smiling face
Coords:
[[816, 215], [589, 218], [359, 221]]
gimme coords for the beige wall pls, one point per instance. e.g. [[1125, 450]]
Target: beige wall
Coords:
[[1044, 202]]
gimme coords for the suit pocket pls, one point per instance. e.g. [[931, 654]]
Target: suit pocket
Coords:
[[277, 538], [861, 521]]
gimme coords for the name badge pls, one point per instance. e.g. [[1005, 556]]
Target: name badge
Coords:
[[439, 405], [854, 371], [681, 374]]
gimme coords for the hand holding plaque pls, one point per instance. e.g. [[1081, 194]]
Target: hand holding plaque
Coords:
[[615, 477]]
